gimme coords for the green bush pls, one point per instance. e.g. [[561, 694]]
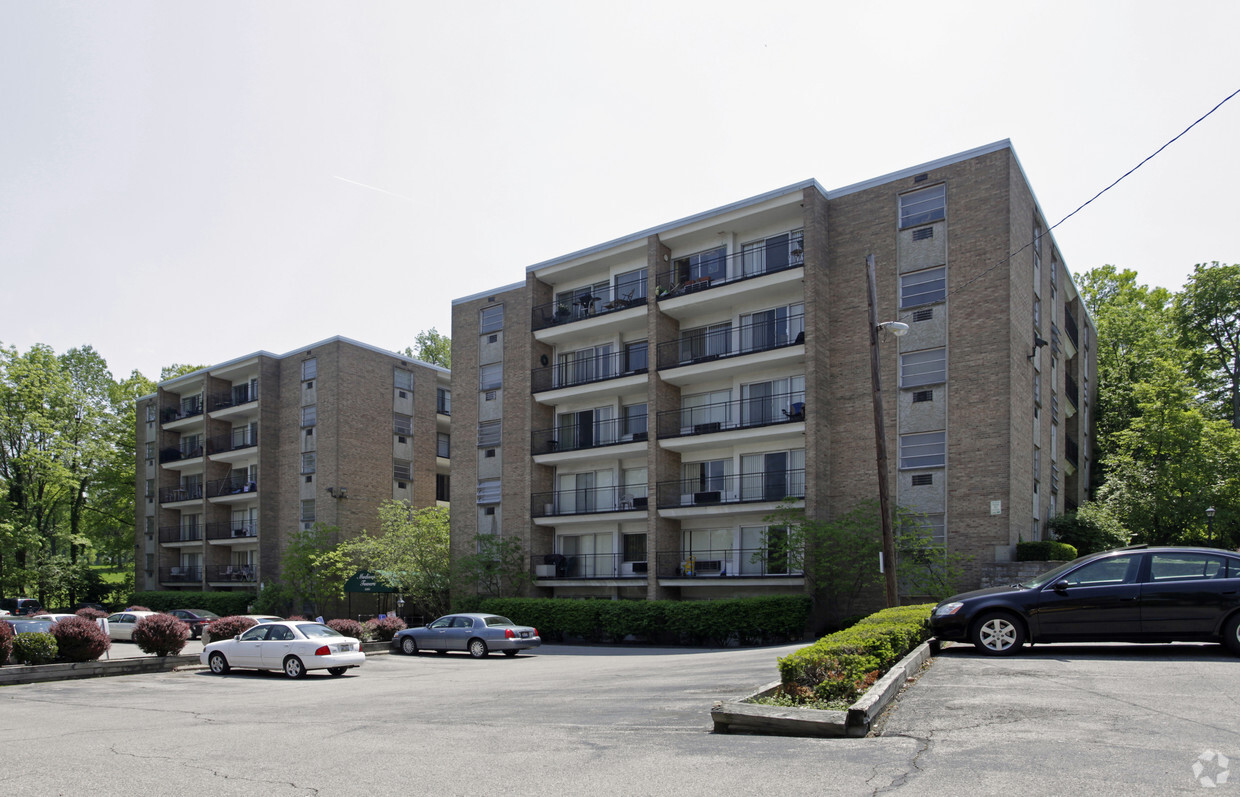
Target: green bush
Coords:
[[34, 648], [160, 634], [1089, 529], [840, 666], [79, 639], [1044, 551], [224, 604], [6, 642]]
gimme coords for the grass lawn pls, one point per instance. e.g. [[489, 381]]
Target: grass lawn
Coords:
[[109, 574]]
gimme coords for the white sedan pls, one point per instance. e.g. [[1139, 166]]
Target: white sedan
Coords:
[[293, 646], [121, 624]]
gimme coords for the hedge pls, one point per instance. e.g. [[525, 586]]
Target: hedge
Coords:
[[224, 604], [1044, 551], [36, 647], [841, 665], [746, 620]]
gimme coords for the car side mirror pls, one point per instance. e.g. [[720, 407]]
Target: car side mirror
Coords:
[[428, 625], [1061, 587]]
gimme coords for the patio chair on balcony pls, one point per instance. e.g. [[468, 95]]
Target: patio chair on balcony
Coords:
[[797, 413]]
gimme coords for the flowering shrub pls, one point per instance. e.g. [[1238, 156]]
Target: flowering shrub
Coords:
[[91, 614], [80, 639], [297, 617], [35, 648], [226, 628], [383, 630], [137, 609], [161, 634], [6, 642], [348, 627]]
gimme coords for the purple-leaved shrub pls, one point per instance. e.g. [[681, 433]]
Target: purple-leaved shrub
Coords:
[[348, 627], [227, 627], [79, 639], [160, 634], [383, 630], [6, 642]]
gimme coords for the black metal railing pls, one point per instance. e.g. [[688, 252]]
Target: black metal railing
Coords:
[[721, 563], [184, 410], [237, 573], [717, 344], [180, 533], [1070, 390], [177, 453], [587, 304], [588, 434], [181, 574], [590, 565], [235, 530], [1069, 325], [736, 414], [683, 279], [1071, 452], [237, 439], [235, 397], [588, 501], [775, 485], [233, 485], [587, 369], [186, 492]]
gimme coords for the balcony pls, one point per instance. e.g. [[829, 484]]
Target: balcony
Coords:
[[1071, 454], [1069, 324], [1072, 393], [186, 492], [180, 574], [729, 563], [587, 370], [586, 305], [238, 395], [726, 416], [236, 440], [235, 574], [236, 531], [587, 501], [175, 534], [586, 566], [181, 452], [186, 409], [592, 434], [231, 486], [724, 343], [683, 279], [766, 486]]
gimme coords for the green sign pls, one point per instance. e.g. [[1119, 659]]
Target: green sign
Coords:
[[366, 581]]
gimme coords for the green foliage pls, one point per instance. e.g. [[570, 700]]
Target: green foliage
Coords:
[[313, 570], [1207, 317], [498, 569], [745, 620], [160, 634], [177, 369], [222, 603], [1044, 551], [840, 666], [35, 648], [432, 347], [925, 568], [80, 639], [410, 555], [1089, 529]]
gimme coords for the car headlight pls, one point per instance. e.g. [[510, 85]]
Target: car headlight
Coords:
[[945, 609]]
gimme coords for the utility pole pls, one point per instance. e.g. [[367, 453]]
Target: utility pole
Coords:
[[880, 441]]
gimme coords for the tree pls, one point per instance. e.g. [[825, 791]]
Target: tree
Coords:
[[1207, 317], [177, 369], [432, 347], [1090, 529], [410, 554], [499, 569], [313, 571]]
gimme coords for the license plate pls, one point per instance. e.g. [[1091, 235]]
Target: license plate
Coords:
[[343, 648], [525, 634]]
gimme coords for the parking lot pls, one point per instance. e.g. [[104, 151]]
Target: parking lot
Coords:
[[574, 720]]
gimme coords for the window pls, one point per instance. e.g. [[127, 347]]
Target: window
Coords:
[[636, 357], [634, 547], [923, 450], [772, 254], [309, 368], [402, 469], [309, 416], [489, 491], [706, 412], [443, 445], [150, 488], [709, 476], [706, 343], [773, 476], [402, 379], [935, 525], [631, 285], [443, 487], [585, 365], [488, 433], [780, 326], [923, 367], [150, 450], [634, 420], [491, 318], [921, 207], [1187, 567], [773, 401], [491, 376], [150, 412], [923, 287], [443, 401], [1037, 314], [709, 265], [1105, 572], [308, 462], [401, 423], [307, 510]]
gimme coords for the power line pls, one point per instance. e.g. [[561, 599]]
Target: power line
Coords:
[[1039, 236]]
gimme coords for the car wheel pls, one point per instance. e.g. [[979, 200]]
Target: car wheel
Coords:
[[1231, 634], [477, 648], [337, 670], [293, 667], [510, 653], [219, 664], [997, 634], [409, 646]]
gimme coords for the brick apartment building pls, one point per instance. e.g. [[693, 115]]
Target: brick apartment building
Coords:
[[233, 458], [640, 407]]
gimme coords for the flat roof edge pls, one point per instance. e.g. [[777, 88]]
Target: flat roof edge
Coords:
[[910, 171]]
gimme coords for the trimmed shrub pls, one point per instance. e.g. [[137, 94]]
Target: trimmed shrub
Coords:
[[226, 627], [137, 608], [383, 630], [91, 614], [1044, 551], [225, 604], [80, 639], [348, 627], [840, 666], [297, 617], [6, 642], [160, 634], [35, 648]]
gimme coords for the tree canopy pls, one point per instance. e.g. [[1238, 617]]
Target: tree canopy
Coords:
[[432, 347]]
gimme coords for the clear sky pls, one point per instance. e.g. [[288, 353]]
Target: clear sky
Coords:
[[191, 182]]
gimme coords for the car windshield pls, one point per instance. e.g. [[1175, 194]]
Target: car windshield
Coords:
[[204, 614], [314, 630], [1052, 575], [497, 620]]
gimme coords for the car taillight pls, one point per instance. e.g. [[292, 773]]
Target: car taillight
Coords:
[[508, 634], [323, 651], [536, 632]]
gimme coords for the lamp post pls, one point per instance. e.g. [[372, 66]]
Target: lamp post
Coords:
[[880, 437], [1210, 524]]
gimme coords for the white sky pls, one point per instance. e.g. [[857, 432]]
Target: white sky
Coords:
[[191, 182]]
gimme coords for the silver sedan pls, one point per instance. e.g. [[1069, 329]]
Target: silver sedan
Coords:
[[479, 634]]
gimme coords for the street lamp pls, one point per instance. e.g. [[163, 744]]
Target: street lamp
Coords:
[[898, 329], [1210, 524]]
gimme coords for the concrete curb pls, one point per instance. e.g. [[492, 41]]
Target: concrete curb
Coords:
[[739, 716]]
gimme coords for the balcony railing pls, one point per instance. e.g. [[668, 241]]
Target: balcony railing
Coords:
[[594, 434], [1071, 391], [180, 411], [178, 453], [236, 530], [233, 485], [180, 533], [181, 573], [186, 492], [736, 267], [1069, 325], [237, 439], [590, 565], [736, 414], [239, 573], [588, 501], [587, 304], [585, 370], [750, 562], [238, 395], [773, 485], [718, 344], [1071, 452]]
